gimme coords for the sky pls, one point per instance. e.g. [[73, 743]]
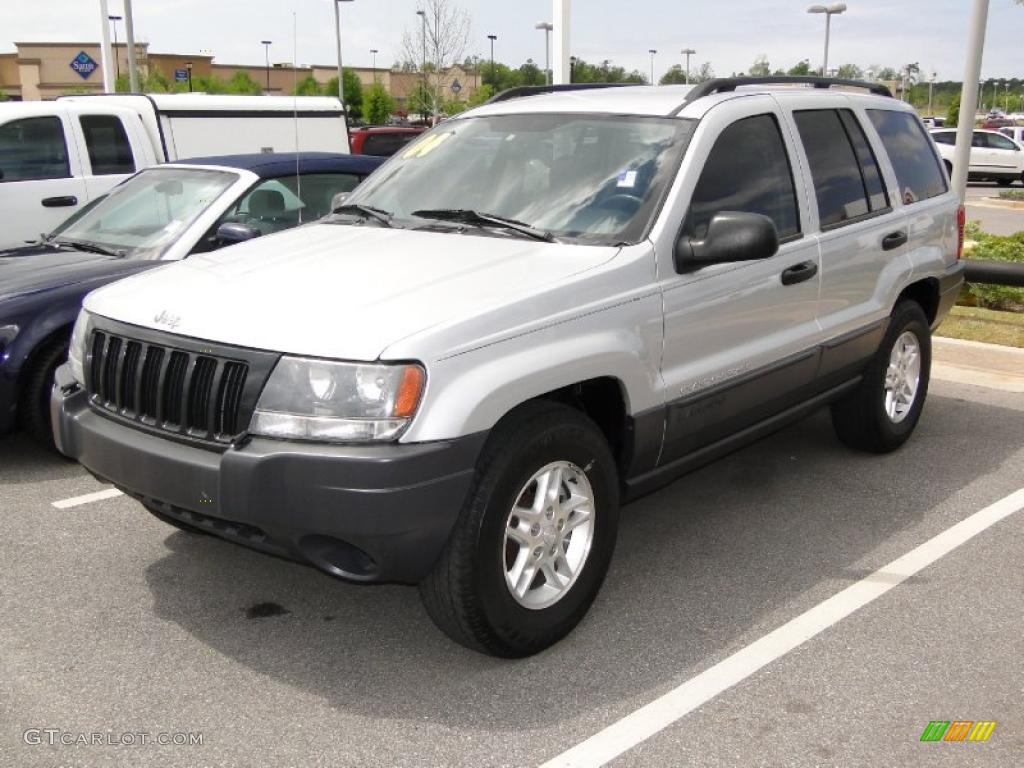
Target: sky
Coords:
[[729, 35]]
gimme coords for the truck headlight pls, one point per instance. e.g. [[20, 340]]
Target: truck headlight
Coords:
[[309, 399], [76, 349]]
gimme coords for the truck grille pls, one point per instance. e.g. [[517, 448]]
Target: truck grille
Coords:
[[195, 393]]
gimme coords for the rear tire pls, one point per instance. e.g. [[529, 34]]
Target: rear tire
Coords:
[[34, 402], [1005, 182], [482, 592], [881, 413]]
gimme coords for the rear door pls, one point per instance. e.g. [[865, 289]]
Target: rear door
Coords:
[[740, 338], [1006, 154], [863, 236], [40, 174], [983, 158]]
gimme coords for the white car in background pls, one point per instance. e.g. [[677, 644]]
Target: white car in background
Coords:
[[1015, 132], [994, 156]]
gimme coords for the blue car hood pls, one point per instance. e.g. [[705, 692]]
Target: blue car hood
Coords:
[[40, 268]]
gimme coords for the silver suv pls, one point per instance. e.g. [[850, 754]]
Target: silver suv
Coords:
[[543, 308]]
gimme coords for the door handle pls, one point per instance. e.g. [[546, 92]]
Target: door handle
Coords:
[[60, 202], [894, 240], [805, 270]]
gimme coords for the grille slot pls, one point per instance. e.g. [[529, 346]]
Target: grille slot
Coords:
[[173, 390]]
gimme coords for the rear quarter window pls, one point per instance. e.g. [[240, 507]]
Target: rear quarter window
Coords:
[[917, 167]]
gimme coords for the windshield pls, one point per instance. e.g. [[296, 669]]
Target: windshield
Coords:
[[580, 177], [148, 212]]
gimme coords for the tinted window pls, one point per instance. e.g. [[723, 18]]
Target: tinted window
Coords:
[[842, 186], [386, 144], [33, 148], [917, 168], [107, 143], [978, 140], [747, 170], [999, 142], [877, 196], [944, 137]]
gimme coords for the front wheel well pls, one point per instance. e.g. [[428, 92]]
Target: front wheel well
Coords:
[[62, 334], [926, 294], [603, 401]]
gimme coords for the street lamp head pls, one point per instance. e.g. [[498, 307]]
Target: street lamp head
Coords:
[[188, 65], [374, 50], [652, 51], [837, 8], [817, 9], [547, 26], [492, 37], [115, 18], [688, 51], [266, 42]]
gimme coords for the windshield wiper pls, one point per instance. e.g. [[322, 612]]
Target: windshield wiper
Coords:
[[83, 245], [466, 216], [367, 212]]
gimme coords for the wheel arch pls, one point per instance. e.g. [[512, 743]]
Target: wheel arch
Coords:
[[926, 293]]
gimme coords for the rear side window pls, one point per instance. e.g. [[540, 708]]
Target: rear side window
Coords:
[[847, 182], [386, 144], [748, 170], [107, 143], [917, 168], [33, 148]]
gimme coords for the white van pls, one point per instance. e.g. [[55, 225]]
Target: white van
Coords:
[[57, 155]]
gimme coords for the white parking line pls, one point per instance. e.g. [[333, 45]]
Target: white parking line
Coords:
[[87, 498], [645, 722]]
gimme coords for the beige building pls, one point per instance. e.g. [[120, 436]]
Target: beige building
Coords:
[[46, 70]]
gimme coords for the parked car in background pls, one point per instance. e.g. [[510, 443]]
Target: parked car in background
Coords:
[[994, 123], [1015, 132], [609, 288], [382, 140], [994, 157], [57, 155], [933, 122], [161, 214]]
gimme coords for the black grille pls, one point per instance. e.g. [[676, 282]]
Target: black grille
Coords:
[[174, 390]]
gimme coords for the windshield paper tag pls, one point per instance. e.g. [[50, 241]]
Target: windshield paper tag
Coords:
[[627, 179]]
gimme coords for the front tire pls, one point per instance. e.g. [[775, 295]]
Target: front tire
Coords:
[[535, 536], [882, 412], [34, 405]]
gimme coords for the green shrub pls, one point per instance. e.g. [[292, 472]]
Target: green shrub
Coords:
[[1012, 194], [996, 248]]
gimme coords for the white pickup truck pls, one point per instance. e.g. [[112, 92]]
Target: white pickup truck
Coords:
[[57, 155]]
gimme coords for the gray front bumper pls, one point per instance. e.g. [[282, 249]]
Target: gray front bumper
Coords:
[[365, 513]]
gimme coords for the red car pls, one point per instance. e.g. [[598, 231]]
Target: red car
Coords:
[[382, 140]]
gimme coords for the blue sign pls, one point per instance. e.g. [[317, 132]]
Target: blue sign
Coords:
[[83, 64], [180, 75]]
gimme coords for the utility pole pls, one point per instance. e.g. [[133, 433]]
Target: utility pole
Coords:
[[266, 50], [652, 51], [687, 52], [374, 51], [129, 28], [494, 82], [829, 11], [560, 16], [931, 83], [547, 27], [972, 71], [423, 67], [341, 69], [109, 84]]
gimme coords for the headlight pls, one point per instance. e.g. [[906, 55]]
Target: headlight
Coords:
[[76, 350], [342, 402]]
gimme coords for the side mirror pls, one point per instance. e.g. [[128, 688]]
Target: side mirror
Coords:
[[731, 236], [339, 200], [235, 232]]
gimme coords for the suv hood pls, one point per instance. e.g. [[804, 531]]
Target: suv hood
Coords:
[[338, 291], [39, 268]]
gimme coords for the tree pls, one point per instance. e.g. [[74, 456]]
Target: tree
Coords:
[[953, 115], [531, 74], [676, 75], [242, 83], [307, 86], [353, 92], [801, 68], [3, 95], [605, 72], [378, 104], [420, 99], [850, 72], [760, 67], [703, 74], [441, 41], [454, 106], [480, 95]]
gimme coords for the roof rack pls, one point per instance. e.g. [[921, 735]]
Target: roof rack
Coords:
[[727, 84], [522, 91]]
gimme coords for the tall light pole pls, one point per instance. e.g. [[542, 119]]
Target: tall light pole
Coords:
[[931, 83], [129, 33], [492, 38], [547, 26], [652, 51], [423, 66], [266, 50], [117, 60], [105, 57], [337, 43], [972, 71], [687, 52], [829, 11], [374, 51]]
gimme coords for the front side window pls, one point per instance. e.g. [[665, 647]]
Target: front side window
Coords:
[[582, 178], [109, 149], [747, 170], [995, 141], [918, 172], [844, 183], [33, 148], [146, 214], [944, 137]]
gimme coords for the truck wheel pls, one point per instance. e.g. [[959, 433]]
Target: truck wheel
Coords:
[[534, 538], [1004, 182], [34, 403], [881, 413]]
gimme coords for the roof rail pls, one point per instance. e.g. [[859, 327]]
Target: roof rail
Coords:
[[727, 84], [522, 91]]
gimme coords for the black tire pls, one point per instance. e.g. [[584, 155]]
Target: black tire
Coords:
[[1004, 182], [172, 521], [860, 419], [466, 594], [34, 400]]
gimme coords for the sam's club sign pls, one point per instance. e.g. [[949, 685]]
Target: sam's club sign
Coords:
[[83, 64]]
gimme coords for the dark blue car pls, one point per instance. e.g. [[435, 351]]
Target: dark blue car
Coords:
[[161, 214]]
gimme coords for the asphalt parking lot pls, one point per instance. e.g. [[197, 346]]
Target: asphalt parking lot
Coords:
[[994, 219], [115, 623]]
